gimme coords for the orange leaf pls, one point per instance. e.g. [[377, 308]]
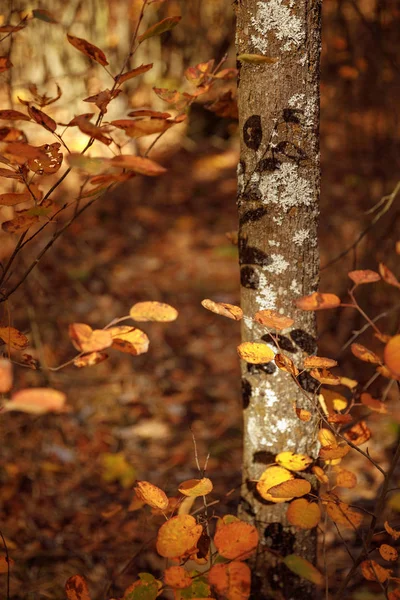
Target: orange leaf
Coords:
[[92, 130], [358, 434], [14, 338], [284, 363], [76, 588], [86, 339], [12, 199], [303, 415], [231, 580], [273, 320], [388, 552], [317, 301], [21, 222], [138, 164], [319, 362], [89, 360], [292, 461], [177, 578], [392, 532], [42, 119], [5, 564], [373, 404], [341, 513], [222, 308], [133, 73], [48, 161], [37, 401], [151, 495], [373, 571], [320, 474], [178, 537], [303, 514], [255, 352], [293, 489], [324, 376], [237, 540], [88, 49], [364, 276], [333, 452], [392, 354], [364, 354], [335, 418], [344, 478], [388, 276], [6, 375], [126, 338], [153, 311], [196, 487], [273, 476]]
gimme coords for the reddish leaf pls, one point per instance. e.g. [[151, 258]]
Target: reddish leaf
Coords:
[[5, 63], [88, 49], [6, 375], [42, 119], [76, 588], [138, 164], [134, 73], [364, 276], [13, 115]]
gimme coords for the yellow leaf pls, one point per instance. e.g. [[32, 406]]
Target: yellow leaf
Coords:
[[271, 477], [222, 308], [293, 488], [153, 311], [196, 487], [129, 339], [303, 514], [151, 495], [117, 468], [391, 354], [178, 537], [292, 461], [255, 352]]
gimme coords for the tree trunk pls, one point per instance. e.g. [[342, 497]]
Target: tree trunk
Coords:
[[278, 191]]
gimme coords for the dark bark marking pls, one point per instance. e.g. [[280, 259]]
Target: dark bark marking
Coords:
[[304, 340], [246, 392], [264, 458], [249, 278], [283, 341], [268, 368], [291, 151], [279, 538], [252, 132], [268, 164], [246, 506], [308, 383], [252, 256], [291, 115], [252, 216]]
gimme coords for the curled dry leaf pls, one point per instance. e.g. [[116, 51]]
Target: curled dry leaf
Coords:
[[231, 580], [131, 340], [294, 488], [89, 360], [37, 401], [153, 311], [324, 376], [196, 487], [373, 571], [76, 588], [388, 276], [392, 354], [6, 375], [392, 532], [177, 577], [271, 477], [222, 308], [86, 339], [14, 338], [358, 434], [255, 352], [292, 461], [364, 354], [237, 540], [364, 276], [273, 320], [88, 49], [178, 537], [303, 514], [319, 362], [317, 301], [151, 495], [388, 552], [373, 403], [133, 73], [284, 363], [302, 414]]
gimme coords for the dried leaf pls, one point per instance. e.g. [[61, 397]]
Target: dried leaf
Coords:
[[344, 478], [177, 577], [144, 112], [131, 340], [151, 495], [140, 128], [37, 401], [373, 404], [159, 28], [364, 354], [133, 73], [237, 540], [326, 437], [364, 276], [373, 571], [89, 360], [295, 488], [138, 164], [21, 222], [392, 354], [76, 588], [286, 364], [303, 415], [103, 99], [388, 552], [324, 376], [388, 276], [231, 580], [292, 461], [86, 339], [333, 452], [42, 119], [273, 476], [153, 311], [317, 301], [358, 434], [303, 514], [12, 199], [319, 362], [178, 537], [196, 487], [392, 532], [255, 352], [341, 513], [92, 130], [14, 338], [222, 308], [88, 49], [13, 115], [48, 161], [320, 474]]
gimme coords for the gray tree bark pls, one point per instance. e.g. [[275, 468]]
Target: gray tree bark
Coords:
[[278, 193]]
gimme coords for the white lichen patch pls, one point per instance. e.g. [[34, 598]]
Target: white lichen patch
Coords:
[[286, 187], [278, 265], [277, 17], [300, 236], [295, 287], [274, 243], [296, 101]]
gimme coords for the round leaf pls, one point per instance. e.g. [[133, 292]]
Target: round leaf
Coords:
[[255, 352], [303, 514], [178, 537], [271, 477], [196, 487], [153, 311], [237, 540], [292, 461], [392, 354]]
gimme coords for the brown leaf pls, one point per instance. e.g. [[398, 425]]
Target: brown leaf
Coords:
[[388, 276], [76, 588], [13, 115], [88, 49], [364, 354], [159, 28], [91, 359], [21, 222], [358, 434], [133, 73], [273, 320], [6, 375], [138, 164], [286, 364], [373, 404], [373, 571], [144, 112], [5, 63], [92, 130], [364, 276], [319, 362], [324, 376], [102, 99], [12, 199], [42, 119]]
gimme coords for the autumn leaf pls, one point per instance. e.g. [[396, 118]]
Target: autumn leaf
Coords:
[[133, 73], [178, 536], [43, 15], [326, 437], [153, 311], [324, 376], [388, 276], [222, 308], [146, 588], [145, 112], [292, 461], [131, 340], [255, 352], [89, 360], [273, 476], [392, 532], [303, 514], [6, 375], [344, 478], [12, 199], [42, 119], [293, 488], [231, 580], [388, 552], [320, 474], [364, 354], [358, 434], [140, 128], [303, 568], [391, 354], [5, 63], [14, 338], [138, 164], [76, 588], [333, 452], [37, 401], [86, 339], [317, 301], [236, 540], [319, 362], [88, 49], [159, 28], [13, 115], [285, 363], [273, 320], [151, 495], [373, 403], [373, 571], [364, 276], [177, 577], [341, 513], [117, 468], [21, 222]]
